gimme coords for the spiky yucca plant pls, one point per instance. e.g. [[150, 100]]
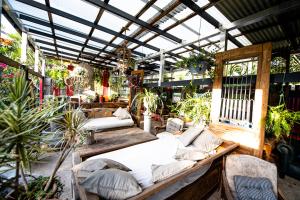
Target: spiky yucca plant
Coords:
[[72, 127], [20, 127]]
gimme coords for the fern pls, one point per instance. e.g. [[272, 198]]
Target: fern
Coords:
[[280, 121]]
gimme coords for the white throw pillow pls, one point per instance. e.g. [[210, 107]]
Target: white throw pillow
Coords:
[[190, 134], [207, 141], [117, 112], [112, 184], [190, 154], [162, 172], [122, 113]]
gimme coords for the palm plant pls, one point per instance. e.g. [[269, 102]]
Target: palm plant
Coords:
[[20, 126], [150, 100], [72, 126], [195, 108]]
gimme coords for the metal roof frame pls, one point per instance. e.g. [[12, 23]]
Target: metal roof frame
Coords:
[[275, 10]]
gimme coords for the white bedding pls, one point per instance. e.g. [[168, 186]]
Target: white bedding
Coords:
[[139, 158], [107, 123]]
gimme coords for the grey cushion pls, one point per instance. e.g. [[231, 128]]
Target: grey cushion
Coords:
[[174, 125], [190, 154], [253, 188], [87, 167], [162, 172], [246, 165], [112, 184], [207, 141], [190, 134]]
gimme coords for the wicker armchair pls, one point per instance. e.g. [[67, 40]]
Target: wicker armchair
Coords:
[[245, 165]]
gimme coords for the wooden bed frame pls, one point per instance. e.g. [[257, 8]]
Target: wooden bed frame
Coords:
[[199, 189]]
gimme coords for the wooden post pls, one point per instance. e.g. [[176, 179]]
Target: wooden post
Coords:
[[261, 96], [217, 90]]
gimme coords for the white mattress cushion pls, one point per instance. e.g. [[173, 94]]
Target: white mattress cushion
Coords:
[[139, 158], [106, 123]]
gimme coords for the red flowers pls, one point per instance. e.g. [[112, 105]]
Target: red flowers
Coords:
[[3, 65]]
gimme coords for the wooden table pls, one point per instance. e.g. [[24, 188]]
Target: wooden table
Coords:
[[112, 140]]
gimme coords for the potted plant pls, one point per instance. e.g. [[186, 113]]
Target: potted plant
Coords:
[[20, 126], [150, 101], [58, 74], [196, 108]]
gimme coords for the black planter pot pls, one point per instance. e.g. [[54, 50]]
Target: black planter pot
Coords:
[[200, 68]]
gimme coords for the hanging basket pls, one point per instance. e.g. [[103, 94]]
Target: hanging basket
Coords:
[[56, 91], [199, 68]]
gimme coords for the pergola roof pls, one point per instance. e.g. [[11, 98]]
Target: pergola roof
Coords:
[[91, 30]]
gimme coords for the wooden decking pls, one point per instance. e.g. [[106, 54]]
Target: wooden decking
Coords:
[[112, 140]]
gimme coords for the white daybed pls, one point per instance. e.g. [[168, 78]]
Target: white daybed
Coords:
[[104, 123], [139, 159]]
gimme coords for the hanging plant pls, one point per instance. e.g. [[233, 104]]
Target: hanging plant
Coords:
[[97, 76], [280, 121], [197, 63], [58, 74], [196, 108]]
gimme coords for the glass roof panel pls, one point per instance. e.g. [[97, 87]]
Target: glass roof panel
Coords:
[[51, 52], [76, 7], [46, 39], [118, 40], [197, 23], [202, 3], [102, 35], [36, 26], [40, 1], [90, 50], [95, 44], [21, 7], [144, 50], [148, 14], [59, 42], [213, 11], [132, 8], [242, 39], [162, 3], [67, 56], [70, 23], [147, 36], [69, 36], [68, 51], [183, 14], [166, 24], [234, 32], [162, 43], [183, 33], [230, 45], [45, 45], [112, 21], [132, 28]]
